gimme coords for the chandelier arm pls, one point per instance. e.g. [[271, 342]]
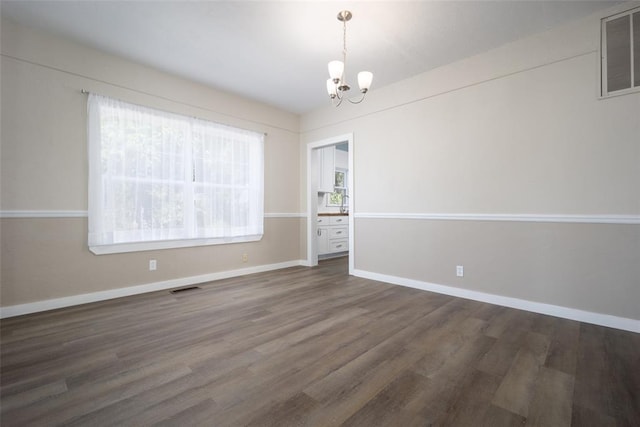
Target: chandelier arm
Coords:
[[359, 101], [338, 98]]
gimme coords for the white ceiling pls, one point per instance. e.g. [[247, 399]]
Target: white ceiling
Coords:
[[277, 52]]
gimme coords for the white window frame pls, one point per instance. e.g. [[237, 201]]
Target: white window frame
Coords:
[[339, 189], [604, 93], [94, 177]]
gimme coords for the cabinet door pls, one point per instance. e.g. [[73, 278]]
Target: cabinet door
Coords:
[[327, 169], [323, 241]]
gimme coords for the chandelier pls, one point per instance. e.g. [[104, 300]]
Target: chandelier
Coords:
[[337, 83]]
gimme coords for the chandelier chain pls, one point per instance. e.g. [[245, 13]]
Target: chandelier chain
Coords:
[[344, 42]]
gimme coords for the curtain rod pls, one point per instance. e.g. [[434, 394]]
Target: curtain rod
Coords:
[[86, 92]]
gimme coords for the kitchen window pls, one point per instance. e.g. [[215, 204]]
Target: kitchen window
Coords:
[[339, 196]]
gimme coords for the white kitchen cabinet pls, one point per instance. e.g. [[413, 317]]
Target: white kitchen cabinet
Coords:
[[326, 169], [323, 235], [333, 234]]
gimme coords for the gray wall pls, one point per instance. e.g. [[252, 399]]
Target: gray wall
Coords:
[[515, 132], [44, 170]]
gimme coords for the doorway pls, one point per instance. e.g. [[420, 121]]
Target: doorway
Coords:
[[326, 195]]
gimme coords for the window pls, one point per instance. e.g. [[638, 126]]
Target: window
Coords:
[[159, 180], [621, 53], [339, 196]]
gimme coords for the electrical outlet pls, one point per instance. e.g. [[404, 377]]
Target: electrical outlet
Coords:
[[245, 257], [153, 265], [459, 270]]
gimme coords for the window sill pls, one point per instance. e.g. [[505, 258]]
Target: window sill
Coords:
[[621, 92], [169, 244]]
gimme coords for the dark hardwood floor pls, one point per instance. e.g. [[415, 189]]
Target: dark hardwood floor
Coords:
[[313, 347]]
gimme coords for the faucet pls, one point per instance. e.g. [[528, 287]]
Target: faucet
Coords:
[[342, 208]]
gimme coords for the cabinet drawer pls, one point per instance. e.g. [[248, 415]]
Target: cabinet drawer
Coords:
[[338, 245], [338, 232], [323, 220], [338, 220]]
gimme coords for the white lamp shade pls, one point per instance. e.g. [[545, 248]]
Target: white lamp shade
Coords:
[[364, 80], [336, 68], [331, 87]]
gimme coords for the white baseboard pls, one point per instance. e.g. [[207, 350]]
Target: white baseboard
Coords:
[[622, 323], [607, 320], [51, 304]]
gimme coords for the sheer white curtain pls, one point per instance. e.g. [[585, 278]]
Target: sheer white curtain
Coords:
[[157, 176], [228, 190]]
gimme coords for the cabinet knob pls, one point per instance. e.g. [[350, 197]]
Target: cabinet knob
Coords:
[[338, 232]]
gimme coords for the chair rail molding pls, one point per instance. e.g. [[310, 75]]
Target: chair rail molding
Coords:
[[581, 219]]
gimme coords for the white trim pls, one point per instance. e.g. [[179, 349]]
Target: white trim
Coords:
[[602, 59], [581, 219], [51, 304], [119, 248], [84, 214], [607, 320], [312, 206], [286, 215], [43, 214]]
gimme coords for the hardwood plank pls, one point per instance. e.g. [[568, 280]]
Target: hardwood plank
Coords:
[[498, 417], [593, 383], [348, 397], [432, 399], [291, 412], [499, 358], [552, 402], [585, 417], [33, 395], [623, 359], [314, 347], [65, 407], [563, 349], [386, 407], [517, 388], [502, 322], [202, 413], [473, 401], [314, 329]]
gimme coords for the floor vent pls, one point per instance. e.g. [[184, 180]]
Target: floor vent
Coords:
[[190, 288]]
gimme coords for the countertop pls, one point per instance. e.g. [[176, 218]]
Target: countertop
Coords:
[[332, 214]]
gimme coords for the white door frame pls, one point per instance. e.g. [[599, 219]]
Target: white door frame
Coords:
[[312, 205]]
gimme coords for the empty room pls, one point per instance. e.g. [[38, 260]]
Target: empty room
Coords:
[[309, 213]]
